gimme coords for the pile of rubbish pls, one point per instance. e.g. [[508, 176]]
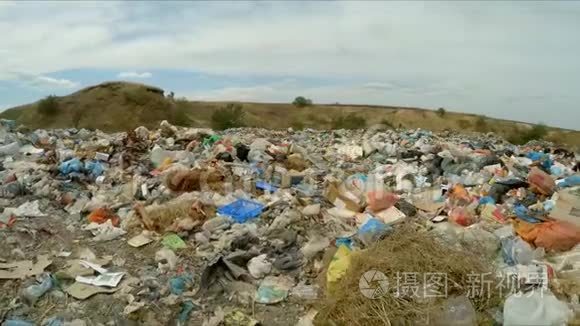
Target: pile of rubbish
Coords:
[[188, 226]]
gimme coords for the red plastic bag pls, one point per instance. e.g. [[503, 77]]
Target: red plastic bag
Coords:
[[461, 216], [381, 200], [541, 182]]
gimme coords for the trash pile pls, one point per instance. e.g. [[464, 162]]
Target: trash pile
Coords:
[[190, 226]]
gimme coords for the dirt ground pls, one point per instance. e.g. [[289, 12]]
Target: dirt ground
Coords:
[[60, 232]]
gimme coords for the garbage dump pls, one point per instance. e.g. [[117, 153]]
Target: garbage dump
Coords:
[[185, 226]]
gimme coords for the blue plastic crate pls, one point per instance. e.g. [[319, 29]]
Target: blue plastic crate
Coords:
[[242, 210]]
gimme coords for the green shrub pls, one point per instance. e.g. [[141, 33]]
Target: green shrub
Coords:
[[179, 115], [537, 132], [229, 116], [297, 124], [48, 106], [302, 101], [349, 121], [441, 112]]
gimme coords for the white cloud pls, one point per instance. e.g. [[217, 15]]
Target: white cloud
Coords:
[[41, 81], [134, 75], [468, 55], [44, 81]]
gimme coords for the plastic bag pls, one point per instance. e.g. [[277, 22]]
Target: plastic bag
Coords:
[[571, 181], [535, 308], [339, 265], [461, 216], [372, 230], [516, 251], [70, 166], [380, 200], [541, 182], [101, 215], [551, 235]]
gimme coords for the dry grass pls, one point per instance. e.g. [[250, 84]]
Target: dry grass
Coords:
[[122, 106], [412, 251]]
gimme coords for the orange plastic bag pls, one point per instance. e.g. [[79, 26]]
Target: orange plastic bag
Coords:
[[459, 195], [551, 235], [102, 215], [380, 200]]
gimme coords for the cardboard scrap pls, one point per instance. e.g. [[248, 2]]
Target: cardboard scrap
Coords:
[[139, 240], [83, 291], [24, 268], [391, 216], [341, 198]]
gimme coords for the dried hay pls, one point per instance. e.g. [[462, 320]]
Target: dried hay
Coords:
[[174, 216], [412, 251]]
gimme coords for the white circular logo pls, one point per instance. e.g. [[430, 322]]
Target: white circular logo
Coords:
[[373, 284]]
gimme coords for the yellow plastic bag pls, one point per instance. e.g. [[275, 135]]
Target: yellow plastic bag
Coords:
[[338, 265]]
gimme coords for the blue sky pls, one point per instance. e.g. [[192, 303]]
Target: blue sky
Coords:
[[514, 60]]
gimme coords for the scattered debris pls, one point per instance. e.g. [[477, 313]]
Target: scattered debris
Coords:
[[251, 226]]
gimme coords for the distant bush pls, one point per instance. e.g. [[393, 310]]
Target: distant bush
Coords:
[[48, 106], [349, 121], [464, 124], [77, 116], [302, 101], [481, 124], [297, 124], [178, 113], [537, 132], [441, 112], [229, 116], [138, 96], [313, 118], [387, 123]]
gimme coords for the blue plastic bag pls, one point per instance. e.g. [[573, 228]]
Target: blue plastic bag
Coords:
[[94, 168], [242, 210], [486, 200], [522, 213], [178, 284], [343, 241], [186, 309], [535, 156], [16, 322], [73, 165], [570, 181], [372, 230]]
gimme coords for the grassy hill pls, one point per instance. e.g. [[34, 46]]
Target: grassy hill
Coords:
[[119, 106]]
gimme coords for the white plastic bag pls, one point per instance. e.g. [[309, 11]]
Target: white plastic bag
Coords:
[[535, 308]]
